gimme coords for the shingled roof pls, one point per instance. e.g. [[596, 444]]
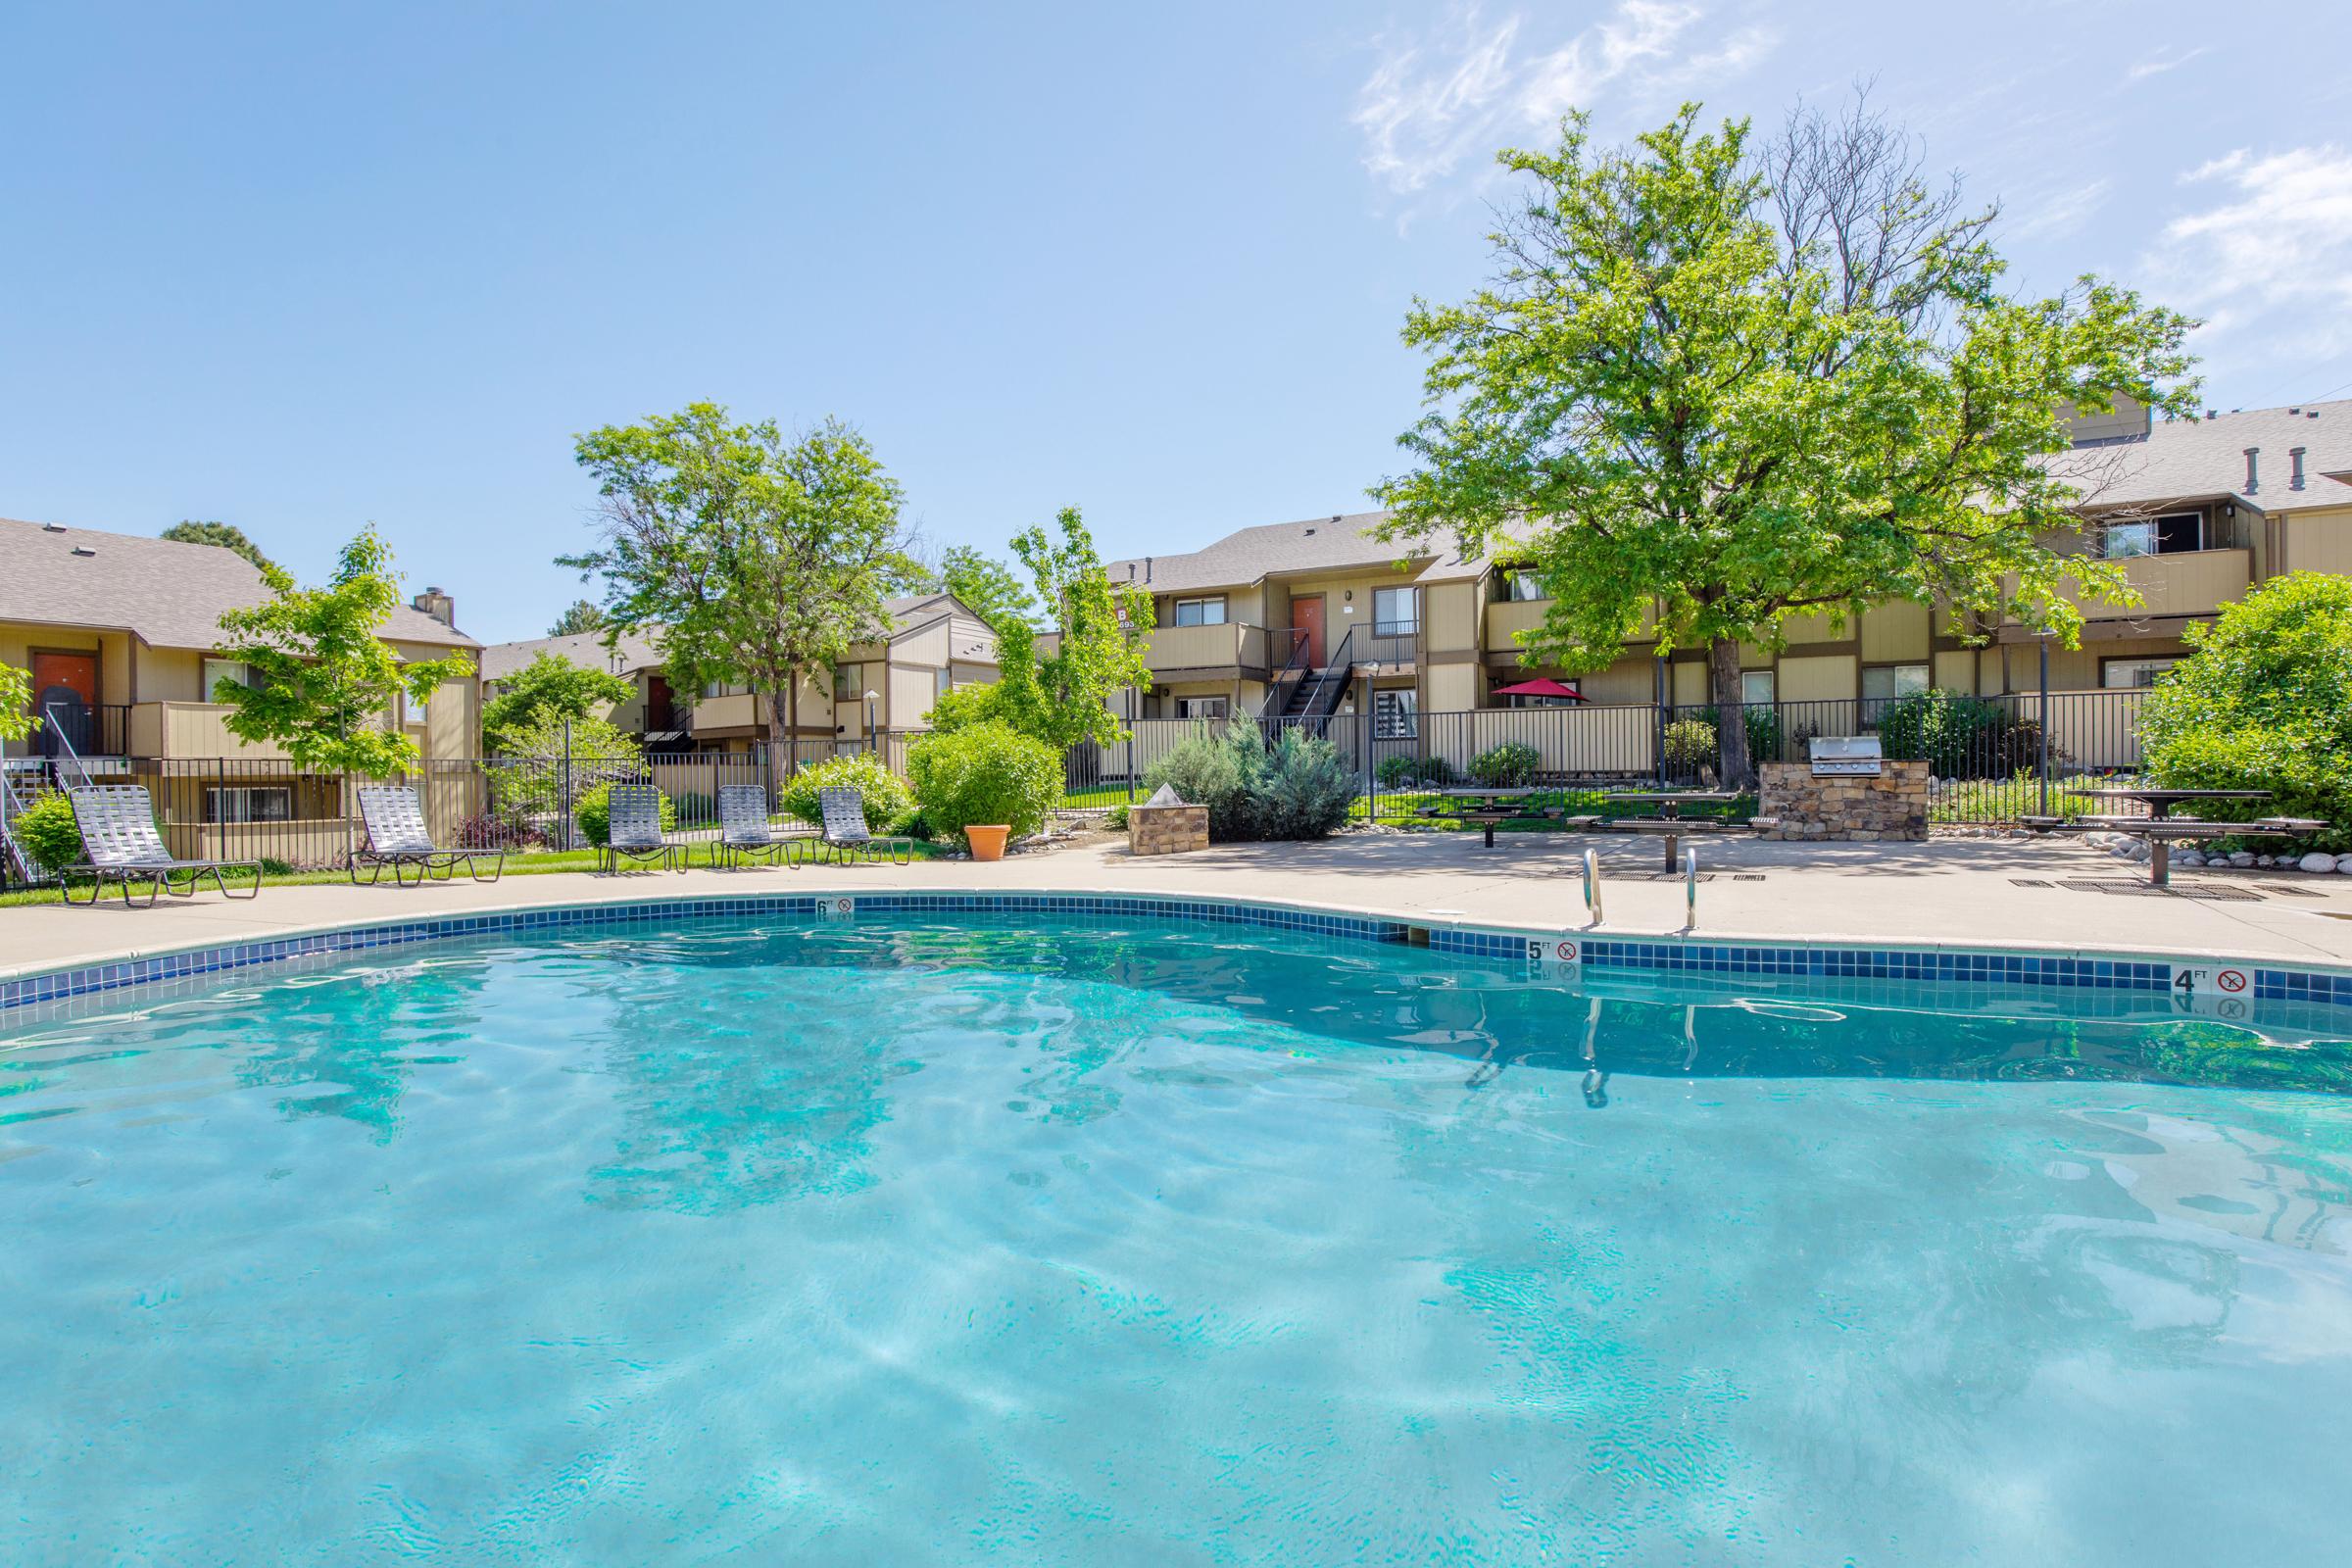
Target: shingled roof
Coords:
[[2198, 459], [166, 594], [1294, 549], [585, 649]]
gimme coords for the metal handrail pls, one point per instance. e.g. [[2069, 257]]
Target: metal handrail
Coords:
[[1690, 890], [1593, 885], [1285, 680], [1330, 680], [66, 745]]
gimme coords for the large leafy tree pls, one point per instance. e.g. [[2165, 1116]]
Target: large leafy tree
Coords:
[[992, 590], [1735, 385], [1063, 698], [227, 535], [582, 617], [759, 557], [326, 682], [550, 689]]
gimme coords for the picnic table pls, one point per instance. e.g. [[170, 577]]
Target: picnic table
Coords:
[[1488, 807], [1669, 823], [2160, 803], [2162, 833]]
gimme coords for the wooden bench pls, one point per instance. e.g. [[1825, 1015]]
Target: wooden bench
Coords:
[[1492, 817]]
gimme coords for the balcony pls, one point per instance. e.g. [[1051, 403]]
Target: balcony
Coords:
[[739, 710], [1507, 617], [1227, 646], [2191, 582], [1393, 646]]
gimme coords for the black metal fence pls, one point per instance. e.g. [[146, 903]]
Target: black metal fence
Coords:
[[1994, 759]]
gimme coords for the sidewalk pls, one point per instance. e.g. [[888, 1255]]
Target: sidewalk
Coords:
[[1944, 893]]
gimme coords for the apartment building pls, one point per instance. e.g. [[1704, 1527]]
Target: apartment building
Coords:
[[1318, 613], [934, 643], [122, 635]]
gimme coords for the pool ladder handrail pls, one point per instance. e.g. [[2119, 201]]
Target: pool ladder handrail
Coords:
[[1690, 890], [1593, 887]]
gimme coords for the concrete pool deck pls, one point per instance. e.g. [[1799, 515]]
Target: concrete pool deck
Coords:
[[1956, 892]]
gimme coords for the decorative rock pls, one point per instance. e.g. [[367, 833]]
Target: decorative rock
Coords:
[[2189, 857], [2242, 859], [2343, 864], [2265, 861], [2316, 861]]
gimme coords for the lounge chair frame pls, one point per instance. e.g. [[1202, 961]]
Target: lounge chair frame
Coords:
[[392, 818], [745, 837], [633, 831], [119, 844], [844, 833]]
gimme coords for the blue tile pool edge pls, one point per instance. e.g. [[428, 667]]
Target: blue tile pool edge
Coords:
[[1664, 955]]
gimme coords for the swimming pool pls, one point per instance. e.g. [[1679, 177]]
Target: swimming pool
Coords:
[[1112, 1239]]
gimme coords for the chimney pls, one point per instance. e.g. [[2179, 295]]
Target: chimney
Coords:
[[438, 605], [2294, 456], [1146, 568], [2253, 480]]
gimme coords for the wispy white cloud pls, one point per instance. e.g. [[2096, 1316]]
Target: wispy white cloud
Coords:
[[2265, 262], [1451, 96], [2054, 213], [2162, 60]]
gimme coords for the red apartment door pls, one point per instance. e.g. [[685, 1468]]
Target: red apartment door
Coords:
[[65, 693], [1306, 615]]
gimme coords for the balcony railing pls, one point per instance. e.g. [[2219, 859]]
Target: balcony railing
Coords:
[[90, 729], [1226, 644], [1388, 643]]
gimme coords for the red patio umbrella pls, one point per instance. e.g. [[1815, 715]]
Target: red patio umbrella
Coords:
[[1541, 686]]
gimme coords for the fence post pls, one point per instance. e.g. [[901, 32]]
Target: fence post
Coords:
[[1130, 767], [563, 789], [2044, 747]]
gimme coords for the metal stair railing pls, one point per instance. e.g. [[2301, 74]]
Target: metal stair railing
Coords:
[[1285, 680], [1331, 683], [13, 855]]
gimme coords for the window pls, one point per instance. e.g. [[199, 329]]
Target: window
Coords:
[[942, 681], [1755, 686], [2172, 534], [1201, 611], [1520, 585], [1395, 612], [1884, 683], [845, 683], [234, 671], [238, 803], [1396, 713], [1202, 706], [2121, 674]]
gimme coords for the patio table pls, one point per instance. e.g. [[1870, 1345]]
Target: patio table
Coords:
[[1670, 821], [2160, 803]]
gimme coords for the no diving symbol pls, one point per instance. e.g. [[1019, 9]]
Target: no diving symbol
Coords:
[[2230, 980], [843, 906], [1565, 953]]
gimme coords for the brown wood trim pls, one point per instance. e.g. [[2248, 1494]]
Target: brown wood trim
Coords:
[[1452, 655]]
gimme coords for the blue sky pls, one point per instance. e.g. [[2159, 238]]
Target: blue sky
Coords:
[[302, 267]]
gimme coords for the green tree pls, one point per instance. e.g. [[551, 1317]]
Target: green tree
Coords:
[[1064, 697], [2263, 703], [227, 535], [988, 587], [552, 687], [327, 681], [1730, 387], [759, 557], [17, 720], [584, 616]]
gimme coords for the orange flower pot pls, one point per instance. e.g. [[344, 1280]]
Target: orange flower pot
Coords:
[[988, 843]]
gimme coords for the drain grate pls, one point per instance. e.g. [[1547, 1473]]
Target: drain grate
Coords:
[[2283, 891], [1748, 876], [1668, 876], [2030, 882], [2149, 890]]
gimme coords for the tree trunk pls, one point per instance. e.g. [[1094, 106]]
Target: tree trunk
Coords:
[[1731, 715], [780, 734]]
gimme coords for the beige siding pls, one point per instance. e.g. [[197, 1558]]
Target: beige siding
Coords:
[[1954, 671], [1895, 633], [1826, 678], [1628, 680], [911, 693], [1453, 688], [1450, 616], [2320, 542]]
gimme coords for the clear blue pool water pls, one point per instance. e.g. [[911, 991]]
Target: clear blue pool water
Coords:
[[1158, 1243]]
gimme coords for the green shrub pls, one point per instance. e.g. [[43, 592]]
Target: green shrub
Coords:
[[2263, 703], [1396, 772], [271, 867], [695, 806], [1435, 771], [1761, 720], [984, 774], [1302, 788], [47, 830], [1505, 766], [1207, 768], [594, 813], [1117, 817], [882, 793], [1689, 744], [1959, 737], [915, 825]]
